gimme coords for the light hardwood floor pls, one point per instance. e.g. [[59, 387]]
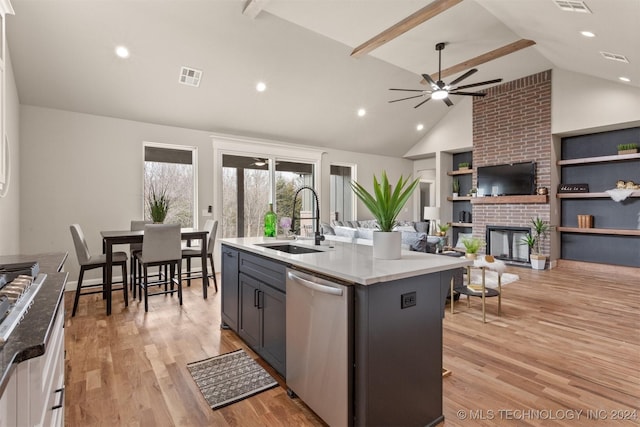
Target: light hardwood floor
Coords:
[[565, 352]]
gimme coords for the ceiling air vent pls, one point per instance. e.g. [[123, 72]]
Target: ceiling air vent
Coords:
[[190, 76], [615, 57], [572, 6]]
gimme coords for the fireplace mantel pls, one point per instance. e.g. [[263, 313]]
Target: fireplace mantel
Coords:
[[537, 198]]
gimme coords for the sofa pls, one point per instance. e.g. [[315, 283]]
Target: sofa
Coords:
[[414, 234], [414, 237]]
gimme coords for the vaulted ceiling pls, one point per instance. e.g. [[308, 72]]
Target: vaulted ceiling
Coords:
[[62, 52]]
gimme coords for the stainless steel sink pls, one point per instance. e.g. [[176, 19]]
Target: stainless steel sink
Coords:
[[290, 248]]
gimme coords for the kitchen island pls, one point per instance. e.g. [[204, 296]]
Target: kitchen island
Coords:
[[32, 359], [393, 315]]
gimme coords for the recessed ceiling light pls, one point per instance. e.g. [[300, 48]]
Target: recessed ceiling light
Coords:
[[261, 86], [420, 127], [587, 33], [362, 112], [625, 79], [122, 52]]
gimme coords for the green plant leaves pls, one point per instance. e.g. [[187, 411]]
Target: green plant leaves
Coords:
[[386, 202]]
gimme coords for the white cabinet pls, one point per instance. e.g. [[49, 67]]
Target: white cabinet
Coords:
[[34, 395], [5, 8]]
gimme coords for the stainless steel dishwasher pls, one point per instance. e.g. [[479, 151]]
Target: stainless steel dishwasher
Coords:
[[319, 351]]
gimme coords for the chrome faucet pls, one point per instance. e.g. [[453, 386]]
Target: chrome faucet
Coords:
[[318, 237]]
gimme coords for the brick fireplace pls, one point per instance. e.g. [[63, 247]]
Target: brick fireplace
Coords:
[[513, 124]]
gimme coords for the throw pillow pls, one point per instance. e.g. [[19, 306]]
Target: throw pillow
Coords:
[[327, 229], [461, 237], [345, 232]]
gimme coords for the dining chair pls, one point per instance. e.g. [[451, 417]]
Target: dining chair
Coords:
[[196, 252], [90, 262], [134, 249], [161, 246]]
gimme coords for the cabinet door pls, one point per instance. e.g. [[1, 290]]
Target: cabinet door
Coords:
[[250, 315], [8, 404], [274, 329], [229, 288]]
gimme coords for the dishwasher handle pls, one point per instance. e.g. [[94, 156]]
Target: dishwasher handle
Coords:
[[314, 286]]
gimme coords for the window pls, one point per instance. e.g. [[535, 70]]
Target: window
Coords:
[[246, 190], [172, 169], [342, 197], [250, 173]]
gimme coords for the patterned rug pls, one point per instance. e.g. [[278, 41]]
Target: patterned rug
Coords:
[[229, 378]]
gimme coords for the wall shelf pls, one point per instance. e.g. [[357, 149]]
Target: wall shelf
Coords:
[[460, 172], [462, 224], [608, 231], [459, 198], [591, 195], [600, 159], [536, 198]]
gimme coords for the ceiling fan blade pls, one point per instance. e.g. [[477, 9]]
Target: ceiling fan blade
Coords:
[[422, 102], [468, 93], [448, 101], [486, 57], [428, 78], [429, 11], [464, 76], [488, 82], [411, 90], [404, 99]]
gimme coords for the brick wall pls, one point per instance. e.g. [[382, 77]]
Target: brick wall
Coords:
[[512, 123]]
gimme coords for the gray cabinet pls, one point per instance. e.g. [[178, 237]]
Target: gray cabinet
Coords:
[[230, 297], [253, 303]]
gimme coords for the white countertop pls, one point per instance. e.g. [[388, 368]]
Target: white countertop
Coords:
[[349, 261]]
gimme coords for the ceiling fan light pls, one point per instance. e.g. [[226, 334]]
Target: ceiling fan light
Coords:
[[439, 94]]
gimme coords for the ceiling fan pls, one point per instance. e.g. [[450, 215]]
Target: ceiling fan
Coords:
[[440, 90]]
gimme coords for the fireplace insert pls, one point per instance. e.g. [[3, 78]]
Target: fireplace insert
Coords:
[[505, 243]]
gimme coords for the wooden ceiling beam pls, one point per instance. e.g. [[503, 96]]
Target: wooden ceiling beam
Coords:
[[253, 7], [481, 59], [429, 11]]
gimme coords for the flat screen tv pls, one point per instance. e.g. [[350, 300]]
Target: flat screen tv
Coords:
[[507, 180]]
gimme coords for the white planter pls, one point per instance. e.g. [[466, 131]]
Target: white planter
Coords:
[[387, 245], [538, 261]]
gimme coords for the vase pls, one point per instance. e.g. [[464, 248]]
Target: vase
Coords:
[[471, 256], [270, 222], [387, 244], [538, 261]]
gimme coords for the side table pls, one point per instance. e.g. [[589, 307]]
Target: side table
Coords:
[[480, 289]]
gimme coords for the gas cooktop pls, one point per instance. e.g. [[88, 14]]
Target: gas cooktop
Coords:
[[19, 284]]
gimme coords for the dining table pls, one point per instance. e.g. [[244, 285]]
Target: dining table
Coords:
[[124, 237]]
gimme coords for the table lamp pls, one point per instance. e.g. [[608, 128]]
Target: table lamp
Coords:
[[432, 214]]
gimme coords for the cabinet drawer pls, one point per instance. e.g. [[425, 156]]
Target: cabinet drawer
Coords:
[[270, 272]]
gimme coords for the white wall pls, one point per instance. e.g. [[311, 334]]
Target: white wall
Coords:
[[367, 166], [453, 133], [10, 204], [581, 103], [80, 168]]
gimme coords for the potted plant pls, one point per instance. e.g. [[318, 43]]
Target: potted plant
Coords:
[[158, 205], [463, 166], [473, 192], [443, 228], [540, 230], [630, 148], [471, 246], [385, 204], [455, 187]]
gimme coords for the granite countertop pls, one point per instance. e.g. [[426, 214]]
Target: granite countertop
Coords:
[[30, 338], [350, 262]]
